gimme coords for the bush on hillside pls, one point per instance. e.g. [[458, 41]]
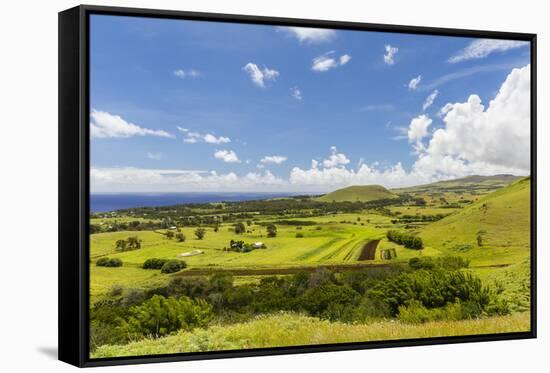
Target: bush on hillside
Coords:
[[108, 262], [408, 240], [173, 266], [160, 316], [154, 263]]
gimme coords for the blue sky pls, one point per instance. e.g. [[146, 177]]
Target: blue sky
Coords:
[[194, 106]]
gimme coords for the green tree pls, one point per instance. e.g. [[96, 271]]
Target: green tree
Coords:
[[180, 237], [271, 230], [160, 316], [200, 233], [133, 243], [239, 228], [154, 263], [173, 266], [121, 245]]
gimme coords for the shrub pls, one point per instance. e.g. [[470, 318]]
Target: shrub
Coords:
[[299, 235], [108, 262], [180, 237], [190, 287], [160, 316], [172, 266], [240, 228], [271, 230], [405, 239], [371, 309], [131, 243], [200, 233], [154, 263], [331, 302], [433, 289]]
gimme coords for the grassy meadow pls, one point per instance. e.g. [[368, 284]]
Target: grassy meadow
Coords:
[[313, 270], [283, 329]]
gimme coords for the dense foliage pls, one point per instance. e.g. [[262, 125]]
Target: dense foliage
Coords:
[[172, 266], [427, 289], [131, 243], [108, 262], [154, 263], [200, 233], [408, 240], [271, 230], [159, 316], [239, 228]]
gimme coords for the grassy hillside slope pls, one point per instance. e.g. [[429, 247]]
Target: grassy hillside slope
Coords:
[[295, 330], [361, 193], [473, 182], [501, 219]]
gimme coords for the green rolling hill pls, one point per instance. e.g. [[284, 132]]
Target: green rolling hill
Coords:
[[363, 193], [501, 219]]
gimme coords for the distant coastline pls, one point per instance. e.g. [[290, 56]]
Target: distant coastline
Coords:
[[105, 202]]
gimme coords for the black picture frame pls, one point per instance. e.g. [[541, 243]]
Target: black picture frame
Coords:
[[74, 165]]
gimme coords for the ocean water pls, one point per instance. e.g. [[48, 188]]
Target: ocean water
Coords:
[[104, 202]]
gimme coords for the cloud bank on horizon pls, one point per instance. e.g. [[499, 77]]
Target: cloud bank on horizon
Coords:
[[238, 129]]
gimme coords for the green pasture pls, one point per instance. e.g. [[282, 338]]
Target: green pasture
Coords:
[[501, 217], [333, 239]]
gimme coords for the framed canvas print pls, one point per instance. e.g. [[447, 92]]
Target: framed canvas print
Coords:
[[235, 186]]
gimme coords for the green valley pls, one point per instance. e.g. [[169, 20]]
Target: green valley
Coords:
[[344, 263]]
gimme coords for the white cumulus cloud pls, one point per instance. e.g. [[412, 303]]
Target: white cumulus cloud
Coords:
[[195, 137], [482, 48], [228, 156], [430, 100], [309, 35], [106, 125], [475, 140], [327, 61], [414, 82], [260, 76], [190, 73], [484, 140], [296, 93], [275, 159], [335, 159], [211, 139], [344, 59], [418, 128], [390, 54]]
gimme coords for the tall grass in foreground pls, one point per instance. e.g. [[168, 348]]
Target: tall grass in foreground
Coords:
[[286, 329]]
